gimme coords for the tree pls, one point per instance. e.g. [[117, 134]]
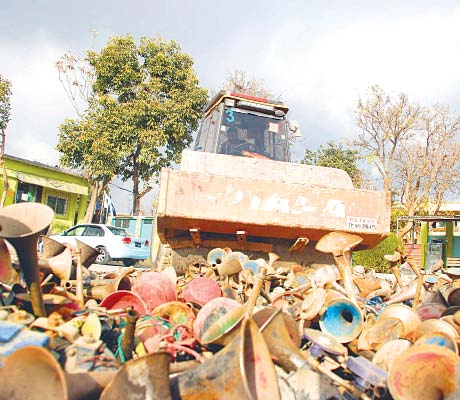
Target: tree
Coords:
[[86, 145], [335, 156], [239, 81], [143, 106], [150, 104], [5, 113], [416, 150], [77, 78], [385, 122]]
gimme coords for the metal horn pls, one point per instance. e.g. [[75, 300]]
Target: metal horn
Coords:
[[46, 379], [283, 343], [8, 274], [60, 265], [342, 319], [242, 370], [21, 224], [420, 372], [51, 247], [88, 253], [141, 378], [410, 319], [100, 292], [340, 245]]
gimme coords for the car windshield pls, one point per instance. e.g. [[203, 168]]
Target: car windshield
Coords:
[[254, 133], [118, 231]]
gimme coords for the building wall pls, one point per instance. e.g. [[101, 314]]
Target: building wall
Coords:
[[48, 184]]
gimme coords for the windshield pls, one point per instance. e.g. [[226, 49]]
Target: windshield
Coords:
[[118, 231], [252, 135]]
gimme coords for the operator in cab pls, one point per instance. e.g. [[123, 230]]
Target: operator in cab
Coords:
[[234, 145]]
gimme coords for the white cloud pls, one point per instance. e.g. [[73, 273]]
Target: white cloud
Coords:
[[39, 103], [323, 72]]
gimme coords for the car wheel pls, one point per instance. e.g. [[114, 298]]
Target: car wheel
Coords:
[[103, 256], [128, 262]]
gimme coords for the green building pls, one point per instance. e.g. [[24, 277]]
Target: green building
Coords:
[[65, 192]]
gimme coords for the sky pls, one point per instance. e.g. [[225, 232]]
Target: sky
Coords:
[[319, 56]]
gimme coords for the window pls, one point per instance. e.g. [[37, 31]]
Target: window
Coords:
[[58, 204], [77, 231], [93, 231]]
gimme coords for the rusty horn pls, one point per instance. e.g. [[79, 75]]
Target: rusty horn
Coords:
[[79, 276], [394, 259], [21, 225], [100, 292], [340, 245], [33, 373], [127, 342], [51, 247], [59, 265], [283, 343], [88, 253], [8, 274], [141, 378], [242, 370], [420, 372]]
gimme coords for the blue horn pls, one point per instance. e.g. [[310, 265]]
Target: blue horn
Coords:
[[342, 319]]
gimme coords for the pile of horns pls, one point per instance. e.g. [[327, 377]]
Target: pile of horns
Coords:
[[236, 328]]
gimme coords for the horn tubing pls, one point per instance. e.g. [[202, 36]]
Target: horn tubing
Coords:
[[127, 342], [79, 285], [28, 259], [259, 279]]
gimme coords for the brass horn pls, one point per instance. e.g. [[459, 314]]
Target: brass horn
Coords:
[[427, 371], [21, 225], [33, 373], [242, 370], [340, 245]]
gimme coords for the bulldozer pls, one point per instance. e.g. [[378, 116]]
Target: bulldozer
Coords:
[[239, 189]]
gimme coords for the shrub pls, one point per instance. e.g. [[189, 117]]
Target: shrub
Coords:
[[374, 258], [57, 227]]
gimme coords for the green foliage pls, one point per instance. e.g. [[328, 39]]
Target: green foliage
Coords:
[[145, 105], [335, 156], [395, 213], [5, 106], [149, 102], [57, 227], [374, 258]]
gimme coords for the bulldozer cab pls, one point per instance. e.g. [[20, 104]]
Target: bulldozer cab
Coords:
[[241, 125]]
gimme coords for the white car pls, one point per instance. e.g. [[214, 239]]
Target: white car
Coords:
[[113, 243]]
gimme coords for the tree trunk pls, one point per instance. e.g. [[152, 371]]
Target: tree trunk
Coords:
[[136, 198], [96, 189], [92, 202]]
